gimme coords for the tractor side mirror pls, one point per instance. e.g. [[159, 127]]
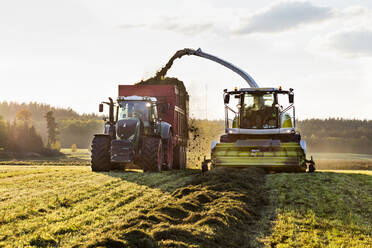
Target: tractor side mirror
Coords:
[[291, 96], [100, 108], [226, 98]]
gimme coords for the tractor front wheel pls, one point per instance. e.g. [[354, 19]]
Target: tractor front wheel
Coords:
[[152, 154], [101, 145]]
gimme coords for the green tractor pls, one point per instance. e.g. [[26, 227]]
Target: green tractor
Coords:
[[260, 133], [134, 136]]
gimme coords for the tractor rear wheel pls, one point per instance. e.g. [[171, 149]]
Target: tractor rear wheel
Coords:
[[152, 154], [101, 145]]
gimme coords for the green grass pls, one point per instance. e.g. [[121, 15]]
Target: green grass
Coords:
[[79, 158], [341, 156], [342, 161], [324, 209], [70, 206], [83, 154]]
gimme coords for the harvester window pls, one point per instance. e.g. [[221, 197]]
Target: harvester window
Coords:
[[258, 111], [268, 100]]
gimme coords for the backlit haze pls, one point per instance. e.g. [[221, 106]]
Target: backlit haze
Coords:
[[74, 53]]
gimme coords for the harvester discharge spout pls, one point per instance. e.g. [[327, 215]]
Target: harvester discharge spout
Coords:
[[200, 53]]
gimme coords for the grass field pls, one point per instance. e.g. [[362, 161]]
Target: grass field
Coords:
[[61, 203], [342, 161], [70, 206]]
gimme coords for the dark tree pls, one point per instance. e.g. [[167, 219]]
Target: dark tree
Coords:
[[11, 136], [3, 133], [35, 140], [52, 129]]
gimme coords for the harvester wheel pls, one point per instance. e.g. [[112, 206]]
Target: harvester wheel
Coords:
[[152, 154], [311, 163], [168, 152], [101, 153], [204, 166], [311, 167]]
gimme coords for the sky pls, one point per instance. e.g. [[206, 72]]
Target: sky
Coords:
[[75, 53]]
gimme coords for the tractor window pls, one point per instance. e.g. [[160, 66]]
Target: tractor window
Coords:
[[133, 109]]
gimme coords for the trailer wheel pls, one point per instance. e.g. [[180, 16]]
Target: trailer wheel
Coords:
[[168, 152], [101, 145], [180, 157], [184, 158], [311, 167], [204, 166], [152, 154]]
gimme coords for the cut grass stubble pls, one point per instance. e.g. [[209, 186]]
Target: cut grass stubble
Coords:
[[66, 206]]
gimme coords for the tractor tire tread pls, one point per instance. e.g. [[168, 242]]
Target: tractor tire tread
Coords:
[[101, 153], [149, 155]]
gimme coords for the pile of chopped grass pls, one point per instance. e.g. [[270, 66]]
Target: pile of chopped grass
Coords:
[[215, 209], [164, 81], [70, 206]]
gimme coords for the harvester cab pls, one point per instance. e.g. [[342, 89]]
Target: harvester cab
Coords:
[[133, 134], [259, 108], [260, 132]]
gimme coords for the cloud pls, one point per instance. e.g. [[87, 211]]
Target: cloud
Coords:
[[283, 16], [174, 24], [129, 26], [184, 26], [355, 43]]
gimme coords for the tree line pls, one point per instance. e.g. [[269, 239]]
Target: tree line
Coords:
[[20, 138], [321, 135], [337, 135], [71, 127]]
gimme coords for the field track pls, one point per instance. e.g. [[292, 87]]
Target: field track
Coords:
[[70, 206]]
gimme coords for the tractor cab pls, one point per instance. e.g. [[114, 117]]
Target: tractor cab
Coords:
[[137, 107], [259, 109]]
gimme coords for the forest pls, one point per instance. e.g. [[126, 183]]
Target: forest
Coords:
[[337, 135], [321, 135], [73, 128]]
